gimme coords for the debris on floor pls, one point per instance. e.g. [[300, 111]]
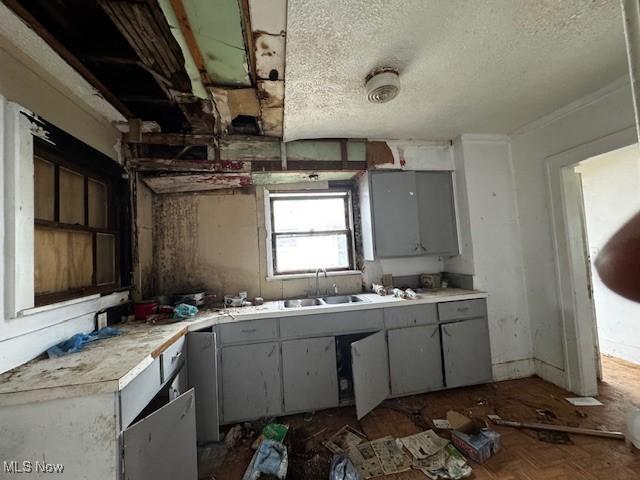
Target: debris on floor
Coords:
[[441, 424], [343, 469], [270, 458], [447, 464], [344, 440], [584, 401], [479, 446], [424, 444], [558, 438], [392, 457], [557, 428]]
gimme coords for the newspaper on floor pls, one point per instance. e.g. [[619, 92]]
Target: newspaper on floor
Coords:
[[391, 456], [424, 444], [344, 440], [365, 459], [446, 464]]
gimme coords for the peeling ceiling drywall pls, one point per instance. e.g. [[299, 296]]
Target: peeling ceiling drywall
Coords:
[[483, 66]]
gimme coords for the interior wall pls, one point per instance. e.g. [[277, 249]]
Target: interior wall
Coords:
[[602, 113], [611, 192], [490, 247], [143, 263], [217, 242]]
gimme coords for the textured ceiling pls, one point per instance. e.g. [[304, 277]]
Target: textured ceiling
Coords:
[[465, 66]]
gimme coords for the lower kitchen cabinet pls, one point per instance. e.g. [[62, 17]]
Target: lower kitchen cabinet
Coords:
[[163, 444], [370, 367], [415, 361], [467, 352], [251, 381], [309, 374]]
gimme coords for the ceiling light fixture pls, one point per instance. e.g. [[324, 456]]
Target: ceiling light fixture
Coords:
[[382, 85]]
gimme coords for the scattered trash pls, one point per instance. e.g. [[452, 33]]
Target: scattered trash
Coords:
[[581, 414], [545, 413], [233, 435], [183, 311], [424, 444], [308, 417], [392, 457], [343, 469], [366, 460], [379, 289], [270, 458], [79, 340], [584, 401], [558, 438], [275, 431], [460, 422], [441, 424], [344, 440], [479, 446], [481, 402], [447, 464]]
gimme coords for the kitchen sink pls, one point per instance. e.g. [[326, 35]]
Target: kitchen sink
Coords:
[[302, 302], [341, 299]]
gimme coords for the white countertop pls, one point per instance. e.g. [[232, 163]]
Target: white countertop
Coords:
[[106, 365]]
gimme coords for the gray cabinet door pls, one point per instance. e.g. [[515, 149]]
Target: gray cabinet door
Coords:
[[162, 446], [370, 366], [203, 377], [309, 374], [436, 213], [466, 352], [251, 381], [415, 361], [395, 214]]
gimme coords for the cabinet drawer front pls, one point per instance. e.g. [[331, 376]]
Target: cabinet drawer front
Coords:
[[248, 331], [173, 358], [139, 392], [331, 323], [462, 309], [410, 316]]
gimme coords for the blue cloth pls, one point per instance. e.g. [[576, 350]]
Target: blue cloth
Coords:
[[79, 340], [183, 311], [270, 458]]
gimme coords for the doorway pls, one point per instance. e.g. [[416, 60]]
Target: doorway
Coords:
[[610, 185]]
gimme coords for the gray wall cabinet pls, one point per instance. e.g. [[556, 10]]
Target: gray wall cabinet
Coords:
[[408, 213], [251, 381], [309, 374], [415, 361], [162, 446], [466, 352]]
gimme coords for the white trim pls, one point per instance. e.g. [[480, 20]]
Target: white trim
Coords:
[[28, 42], [513, 369], [569, 240], [339, 273], [574, 106]]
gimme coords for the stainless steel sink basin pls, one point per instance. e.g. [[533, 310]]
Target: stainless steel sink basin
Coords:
[[302, 302], [341, 299]]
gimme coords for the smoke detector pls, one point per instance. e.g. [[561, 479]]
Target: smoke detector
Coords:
[[382, 85]]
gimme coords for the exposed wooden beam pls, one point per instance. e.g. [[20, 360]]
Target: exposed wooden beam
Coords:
[[309, 166], [174, 139], [190, 39], [186, 166], [69, 57], [249, 42]]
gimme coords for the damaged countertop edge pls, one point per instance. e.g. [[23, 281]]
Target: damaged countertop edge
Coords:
[[73, 375]]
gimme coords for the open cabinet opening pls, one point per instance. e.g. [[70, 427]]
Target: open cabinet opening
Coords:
[[345, 367]]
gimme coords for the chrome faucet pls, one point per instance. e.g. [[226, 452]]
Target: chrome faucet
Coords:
[[318, 270]]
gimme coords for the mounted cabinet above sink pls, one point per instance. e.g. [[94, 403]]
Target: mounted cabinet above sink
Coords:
[[408, 214]]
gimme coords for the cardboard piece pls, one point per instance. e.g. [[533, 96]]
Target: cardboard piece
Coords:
[[478, 447]]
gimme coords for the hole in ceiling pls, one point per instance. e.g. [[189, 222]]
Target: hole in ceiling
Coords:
[[245, 124]]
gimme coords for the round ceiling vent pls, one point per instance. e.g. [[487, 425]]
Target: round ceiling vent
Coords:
[[382, 85]]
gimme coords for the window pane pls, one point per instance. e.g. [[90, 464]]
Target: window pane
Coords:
[[306, 253], [313, 214], [97, 204], [105, 259], [71, 197], [44, 173], [63, 260]]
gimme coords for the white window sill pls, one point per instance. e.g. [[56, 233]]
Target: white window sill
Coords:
[[293, 276]]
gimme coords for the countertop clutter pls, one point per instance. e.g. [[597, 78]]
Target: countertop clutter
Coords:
[[110, 364]]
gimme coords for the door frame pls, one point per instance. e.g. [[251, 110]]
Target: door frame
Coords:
[[576, 307]]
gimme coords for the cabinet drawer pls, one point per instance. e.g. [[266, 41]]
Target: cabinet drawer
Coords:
[[410, 316], [460, 310], [139, 392], [173, 358], [248, 331], [331, 323]]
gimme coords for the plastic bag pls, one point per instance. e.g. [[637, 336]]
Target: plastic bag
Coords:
[[183, 311], [79, 340], [343, 469], [270, 458]]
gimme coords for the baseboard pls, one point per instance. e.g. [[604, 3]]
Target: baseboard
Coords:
[[550, 373], [513, 369]]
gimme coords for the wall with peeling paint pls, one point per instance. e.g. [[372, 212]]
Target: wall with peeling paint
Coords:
[[217, 242], [143, 266]]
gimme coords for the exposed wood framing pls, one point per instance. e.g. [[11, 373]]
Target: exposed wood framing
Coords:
[[157, 138], [173, 165], [249, 148], [190, 38], [70, 58], [308, 166], [248, 39]]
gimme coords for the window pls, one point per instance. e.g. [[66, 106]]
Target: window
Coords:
[[311, 230], [75, 236]]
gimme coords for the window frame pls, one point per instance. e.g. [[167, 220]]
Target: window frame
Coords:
[[272, 235], [58, 161]]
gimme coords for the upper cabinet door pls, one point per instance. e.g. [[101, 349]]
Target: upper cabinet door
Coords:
[[436, 211], [395, 214], [162, 446], [370, 367]]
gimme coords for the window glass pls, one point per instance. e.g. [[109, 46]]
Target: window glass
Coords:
[[306, 253], [313, 214]]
